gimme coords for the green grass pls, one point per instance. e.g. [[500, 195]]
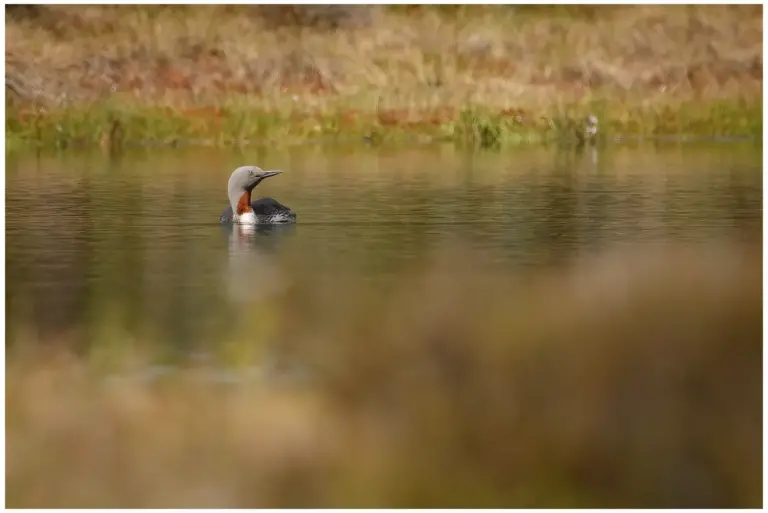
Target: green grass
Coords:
[[473, 126]]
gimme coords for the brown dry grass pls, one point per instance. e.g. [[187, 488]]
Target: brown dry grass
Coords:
[[632, 379], [401, 66]]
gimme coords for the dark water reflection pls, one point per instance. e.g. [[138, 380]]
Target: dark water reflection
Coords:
[[93, 242]]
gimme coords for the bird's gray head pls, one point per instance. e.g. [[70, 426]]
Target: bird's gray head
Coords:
[[243, 180]]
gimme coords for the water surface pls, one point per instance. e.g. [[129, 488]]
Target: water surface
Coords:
[[96, 242]]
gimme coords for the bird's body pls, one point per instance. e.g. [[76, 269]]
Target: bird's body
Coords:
[[261, 211], [265, 211]]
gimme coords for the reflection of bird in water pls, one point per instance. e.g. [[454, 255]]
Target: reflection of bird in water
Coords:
[[253, 273], [254, 278]]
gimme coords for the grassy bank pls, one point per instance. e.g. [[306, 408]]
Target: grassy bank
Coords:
[[629, 390], [476, 75]]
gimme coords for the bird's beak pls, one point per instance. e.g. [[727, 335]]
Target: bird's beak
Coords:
[[267, 174], [261, 176]]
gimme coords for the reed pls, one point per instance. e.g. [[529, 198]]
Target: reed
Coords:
[[237, 74]]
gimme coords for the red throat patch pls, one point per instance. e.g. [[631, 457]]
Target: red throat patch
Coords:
[[244, 205]]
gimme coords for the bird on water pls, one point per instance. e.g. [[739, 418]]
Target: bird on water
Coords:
[[242, 210]]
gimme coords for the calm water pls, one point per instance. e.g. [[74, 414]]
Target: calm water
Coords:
[[135, 243]]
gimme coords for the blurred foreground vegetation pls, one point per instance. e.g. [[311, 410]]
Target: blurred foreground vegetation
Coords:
[[480, 75], [632, 378]]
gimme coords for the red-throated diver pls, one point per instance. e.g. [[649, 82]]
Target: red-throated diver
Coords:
[[262, 211]]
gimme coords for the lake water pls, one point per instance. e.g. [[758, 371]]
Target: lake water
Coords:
[[133, 242]]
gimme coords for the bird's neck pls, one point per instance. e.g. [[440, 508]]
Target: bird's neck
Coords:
[[244, 203]]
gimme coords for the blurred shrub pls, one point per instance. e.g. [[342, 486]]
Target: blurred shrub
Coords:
[[632, 379]]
